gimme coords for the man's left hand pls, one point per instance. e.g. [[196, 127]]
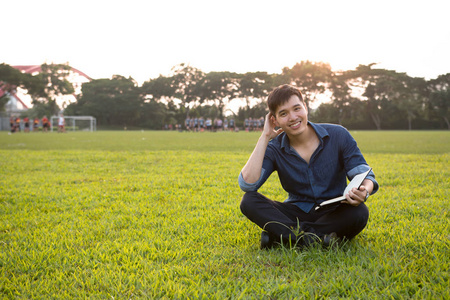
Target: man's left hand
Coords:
[[356, 196]]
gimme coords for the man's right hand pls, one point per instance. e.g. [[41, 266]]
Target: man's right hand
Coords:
[[269, 127]]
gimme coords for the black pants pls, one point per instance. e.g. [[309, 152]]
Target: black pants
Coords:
[[285, 220]]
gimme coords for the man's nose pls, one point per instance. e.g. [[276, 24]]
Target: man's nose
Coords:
[[292, 116]]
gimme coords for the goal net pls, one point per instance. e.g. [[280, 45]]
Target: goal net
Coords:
[[75, 123]]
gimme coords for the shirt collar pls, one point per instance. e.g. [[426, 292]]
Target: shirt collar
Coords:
[[320, 131]]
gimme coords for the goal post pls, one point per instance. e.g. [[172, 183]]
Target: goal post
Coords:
[[75, 123]]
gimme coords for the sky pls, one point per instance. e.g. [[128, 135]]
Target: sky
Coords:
[[145, 39]]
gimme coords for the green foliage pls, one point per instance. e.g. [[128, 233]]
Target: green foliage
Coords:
[[50, 82], [54, 78], [115, 101], [309, 77], [43, 108], [3, 101], [387, 99], [149, 215], [439, 101], [11, 78], [364, 98]]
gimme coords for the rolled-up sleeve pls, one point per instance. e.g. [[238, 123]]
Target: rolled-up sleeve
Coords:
[[250, 187]]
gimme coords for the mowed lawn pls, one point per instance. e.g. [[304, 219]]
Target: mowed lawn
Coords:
[[149, 215]]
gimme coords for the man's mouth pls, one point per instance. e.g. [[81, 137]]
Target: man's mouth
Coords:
[[295, 125]]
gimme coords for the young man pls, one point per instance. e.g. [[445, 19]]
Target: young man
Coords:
[[313, 162]]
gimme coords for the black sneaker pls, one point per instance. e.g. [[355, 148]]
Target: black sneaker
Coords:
[[267, 241], [330, 240]]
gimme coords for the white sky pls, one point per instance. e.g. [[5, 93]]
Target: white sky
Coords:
[[143, 39]]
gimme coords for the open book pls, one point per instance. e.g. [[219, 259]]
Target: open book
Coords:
[[355, 183]]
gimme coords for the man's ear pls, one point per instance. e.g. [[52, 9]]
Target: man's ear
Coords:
[[275, 121]]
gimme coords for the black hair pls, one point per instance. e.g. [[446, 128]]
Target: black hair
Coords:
[[281, 95]]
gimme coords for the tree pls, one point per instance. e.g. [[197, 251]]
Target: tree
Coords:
[[159, 88], [185, 82], [255, 85], [365, 78], [389, 95], [115, 101], [153, 114], [311, 78], [340, 95], [11, 79], [219, 87], [54, 78], [257, 111], [183, 86], [43, 88], [439, 99], [412, 94]]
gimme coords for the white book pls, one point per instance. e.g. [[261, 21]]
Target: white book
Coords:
[[355, 183]]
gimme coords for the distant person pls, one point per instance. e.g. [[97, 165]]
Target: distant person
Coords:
[[12, 125], [256, 124], [219, 124], [61, 124], [250, 121], [17, 125], [261, 123], [313, 162], [36, 124], [187, 123], [45, 124], [196, 124], [26, 124], [208, 124], [201, 123], [231, 124]]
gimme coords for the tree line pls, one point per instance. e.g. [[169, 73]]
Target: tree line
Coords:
[[364, 98]]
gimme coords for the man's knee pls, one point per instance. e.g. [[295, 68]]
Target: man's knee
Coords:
[[248, 200], [360, 217], [363, 215]]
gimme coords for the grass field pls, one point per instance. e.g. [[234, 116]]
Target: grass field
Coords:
[[129, 215]]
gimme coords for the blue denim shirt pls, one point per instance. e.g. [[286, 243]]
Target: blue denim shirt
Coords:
[[336, 158]]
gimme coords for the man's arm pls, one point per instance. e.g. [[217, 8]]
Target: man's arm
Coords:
[[356, 163], [252, 169]]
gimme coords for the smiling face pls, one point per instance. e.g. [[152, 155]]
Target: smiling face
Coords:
[[292, 116]]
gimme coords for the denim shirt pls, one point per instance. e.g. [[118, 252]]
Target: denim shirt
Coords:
[[336, 158]]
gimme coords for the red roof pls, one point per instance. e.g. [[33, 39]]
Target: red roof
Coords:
[[18, 99], [28, 69], [37, 68]]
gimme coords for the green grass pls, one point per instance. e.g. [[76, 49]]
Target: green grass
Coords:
[[129, 215]]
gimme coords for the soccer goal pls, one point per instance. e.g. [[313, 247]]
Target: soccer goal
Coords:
[[75, 123]]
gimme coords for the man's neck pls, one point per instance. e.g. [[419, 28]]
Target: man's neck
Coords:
[[308, 136]]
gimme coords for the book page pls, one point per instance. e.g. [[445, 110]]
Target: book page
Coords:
[[356, 182]]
